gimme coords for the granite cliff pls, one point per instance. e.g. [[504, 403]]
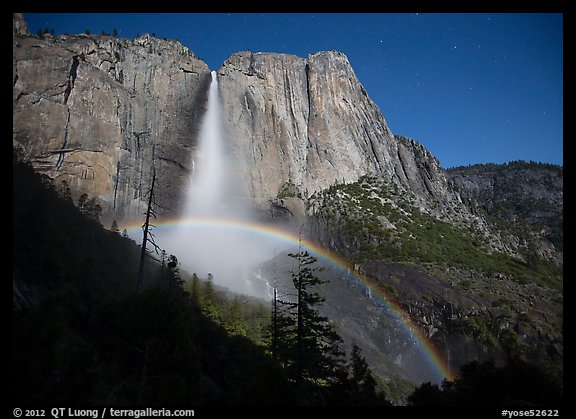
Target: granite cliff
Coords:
[[303, 124], [94, 112], [524, 199], [97, 114]]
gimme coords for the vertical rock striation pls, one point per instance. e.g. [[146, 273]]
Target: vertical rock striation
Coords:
[[310, 123], [96, 111]]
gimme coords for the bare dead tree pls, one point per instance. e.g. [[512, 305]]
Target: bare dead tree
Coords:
[[147, 237]]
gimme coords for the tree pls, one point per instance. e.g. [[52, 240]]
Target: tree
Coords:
[[147, 236], [274, 325], [125, 233], [517, 383], [233, 319], [93, 210], [170, 278], [301, 339], [114, 227], [317, 344], [427, 394], [209, 288], [308, 348], [65, 192], [195, 287], [83, 203], [114, 32], [362, 383], [87, 31], [174, 280], [281, 331], [209, 308]]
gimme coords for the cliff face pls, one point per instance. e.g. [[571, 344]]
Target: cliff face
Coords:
[[309, 123], [522, 199], [93, 112], [96, 113]]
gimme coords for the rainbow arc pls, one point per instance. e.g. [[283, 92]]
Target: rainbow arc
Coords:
[[366, 284]]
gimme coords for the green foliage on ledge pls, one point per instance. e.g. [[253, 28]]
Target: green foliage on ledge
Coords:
[[379, 221]]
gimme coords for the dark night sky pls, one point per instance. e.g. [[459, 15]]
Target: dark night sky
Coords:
[[473, 88]]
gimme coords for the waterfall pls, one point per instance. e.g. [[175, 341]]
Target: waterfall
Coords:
[[216, 203], [206, 193]]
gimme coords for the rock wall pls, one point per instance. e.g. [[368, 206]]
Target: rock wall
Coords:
[[94, 113], [525, 198], [310, 123]]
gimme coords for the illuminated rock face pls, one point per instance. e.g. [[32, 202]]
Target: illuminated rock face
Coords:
[[95, 111], [98, 113], [307, 123]]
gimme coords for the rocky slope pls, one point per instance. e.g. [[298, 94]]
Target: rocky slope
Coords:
[[472, 301], [522, 199], [95, 111]]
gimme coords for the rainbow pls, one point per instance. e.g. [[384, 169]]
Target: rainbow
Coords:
[[363, 282]]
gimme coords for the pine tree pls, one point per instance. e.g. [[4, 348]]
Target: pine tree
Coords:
[[300, 338], [83, 203], [209, 308], [274, 325], [93, 210], [175, 282], [363, 385], [65, 192], [114, 227], [317, 344], [209, 288], [281, 331], [164, 281], [195, 289]]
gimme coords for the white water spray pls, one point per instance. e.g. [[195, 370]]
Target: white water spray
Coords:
[[206, 191], [217, 192]]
